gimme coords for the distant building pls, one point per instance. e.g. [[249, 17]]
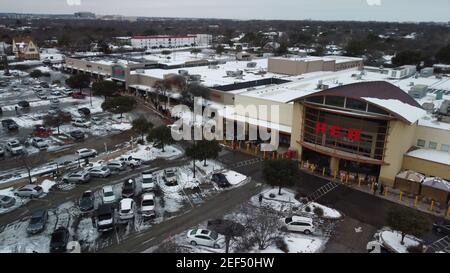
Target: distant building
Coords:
[[202, 39], [25, 48], [163, 41], [84, 15]]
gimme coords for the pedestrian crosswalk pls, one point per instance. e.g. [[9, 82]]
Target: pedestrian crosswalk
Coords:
[[441, 245], [322, 191], [246, 162]]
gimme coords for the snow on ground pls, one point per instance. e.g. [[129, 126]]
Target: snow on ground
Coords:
[[297, 243], [19, 201], [286, 201], [47, 185], [123, 126], [148, 152], [212, 166], [234, 178], [392, 239]]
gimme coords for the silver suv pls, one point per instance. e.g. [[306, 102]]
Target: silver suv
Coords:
[[77, 177]]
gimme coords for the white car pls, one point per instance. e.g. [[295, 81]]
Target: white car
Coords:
[[170, 177], [130, 161], [116, 165], [29, 191], [56, 93], [84, 152], [205, 237], [108, 195], [99, 171], [126, 209], [39, 143], [79, 122], [148, 205], [42, 96], [299, 224], [148, 182], [14, 147], [54, 101]]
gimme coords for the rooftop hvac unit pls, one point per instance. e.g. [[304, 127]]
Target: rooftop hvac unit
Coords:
[[230, 73], [195, 77], [251, 64], [340, 84], [213, 66], [251, 88]]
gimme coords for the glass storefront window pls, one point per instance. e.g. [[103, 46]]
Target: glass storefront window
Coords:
[[355, 104], [335, 101]]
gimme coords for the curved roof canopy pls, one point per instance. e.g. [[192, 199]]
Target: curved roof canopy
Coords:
[[380, 93]]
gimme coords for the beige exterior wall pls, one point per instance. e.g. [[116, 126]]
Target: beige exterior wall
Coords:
[[426, 167], [298, 67], [88, 66], [400, 139], [285, 109], [297, 116], [440, 136]]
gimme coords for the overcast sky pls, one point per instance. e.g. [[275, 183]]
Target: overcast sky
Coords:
[[379, 10]]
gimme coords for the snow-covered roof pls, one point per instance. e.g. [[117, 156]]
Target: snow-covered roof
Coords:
[[126, 203], [409, 112], [437, 182], [431, 155], [411, 175]]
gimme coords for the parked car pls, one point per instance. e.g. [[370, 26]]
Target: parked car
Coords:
[[56, 93], [23, 104], [59, 239], [221, 180], [14, 147], [99, 171], [77, 177], [78, 122], [148, 181], [2, 151], [54, 101], [96, 120], [41, 131], [108, 195], [105, 217], [7, 201], [128, 188], [44, 84], [42, 96], [84, 153], [148, 205], [131, 161], [298, 224], [37, 222], [77, 135], [67, 91], [126, 209], [1, 111], [10, 124], [39, 143], [442, 226], [84, 111], [116, 165], [87, 201], [205, 237], [29, 191], [170, 177], [78, 95]]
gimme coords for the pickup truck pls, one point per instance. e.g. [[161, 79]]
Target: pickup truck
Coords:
[[14, 147], [131, 161]]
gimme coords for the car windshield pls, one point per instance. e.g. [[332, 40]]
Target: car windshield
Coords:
[[147, 180], [35, 220], [58, 236], [108, 193], [148, 203], [125, 210], [5, 198], [214, 235], [170, 174], [15, 145], [288, 220], [103, 217]]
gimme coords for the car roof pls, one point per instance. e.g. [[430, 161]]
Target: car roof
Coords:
[[104, 208], [29, 186], [108, 188], [201, 231], [148, 196], [302, 219], [126, 203]]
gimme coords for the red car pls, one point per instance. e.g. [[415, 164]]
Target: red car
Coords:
[[78, 95], [41, 131]]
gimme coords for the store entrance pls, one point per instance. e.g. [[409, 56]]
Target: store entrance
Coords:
[[320, 160], [356, 167]]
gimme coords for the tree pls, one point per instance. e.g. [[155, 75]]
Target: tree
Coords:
[[161, 135], [282, 49], [355, 48], [104, 88], [36, 73], [119, 105], [194, 90], [280, 172], [141, 126], [195, 152], [263, 226], [230, 229], [220, 49], [196, 51], [443, 55], [211, 149], [57, 120], [78, 81], [410, 57], [407, 221]]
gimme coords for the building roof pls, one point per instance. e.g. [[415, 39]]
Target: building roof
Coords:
[[431, 155], [382, 94]]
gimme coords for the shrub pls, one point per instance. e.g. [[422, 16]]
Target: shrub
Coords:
[[281, 245], [415, 249], [308, 209], [272, 195], [304, 201], [318, 211]]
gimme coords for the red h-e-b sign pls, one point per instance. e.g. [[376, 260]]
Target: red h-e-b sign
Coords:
[[336, 131]]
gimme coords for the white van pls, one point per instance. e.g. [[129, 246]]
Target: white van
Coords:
[[299, 224]]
